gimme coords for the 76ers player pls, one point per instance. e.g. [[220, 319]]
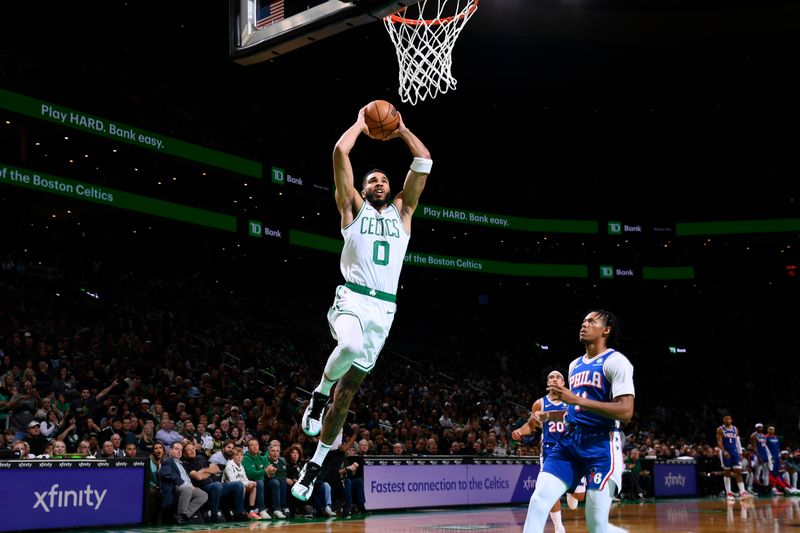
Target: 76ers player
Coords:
[[730, 453], [758, 441], [600, 396], [548, 413]]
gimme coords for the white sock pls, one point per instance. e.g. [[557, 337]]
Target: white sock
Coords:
[[741, 486], [325, 386], [548, 491], [794, 479], [727, 481], [556, 518], [322, 451]]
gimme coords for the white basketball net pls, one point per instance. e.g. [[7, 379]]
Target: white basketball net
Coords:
[[425, 46]]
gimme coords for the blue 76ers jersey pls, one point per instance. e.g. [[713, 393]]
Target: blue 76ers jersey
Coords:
[[602, 378], [730, 439], [774, 446], [552, 429], [761, 445]]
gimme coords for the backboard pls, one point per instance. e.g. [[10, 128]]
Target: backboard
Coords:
[[264, 29]]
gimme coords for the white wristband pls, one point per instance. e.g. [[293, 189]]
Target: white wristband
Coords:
[[422, 165]]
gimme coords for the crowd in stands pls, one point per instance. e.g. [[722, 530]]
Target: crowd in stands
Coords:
[[184, 375]]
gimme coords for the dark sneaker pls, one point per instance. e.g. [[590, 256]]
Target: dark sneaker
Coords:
[[305, 484], [312, 417]]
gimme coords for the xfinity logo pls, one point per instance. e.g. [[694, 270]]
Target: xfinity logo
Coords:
[[69, 498], [671, 480], [529, 483]]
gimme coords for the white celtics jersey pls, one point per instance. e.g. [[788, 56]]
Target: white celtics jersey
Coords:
[[374, 248]]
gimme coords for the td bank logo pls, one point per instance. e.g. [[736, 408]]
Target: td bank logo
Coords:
[[278, 176], [256, 229], [606, 272], [614, 228]]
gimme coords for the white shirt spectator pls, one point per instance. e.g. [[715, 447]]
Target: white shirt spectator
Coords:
[[207, 441], [234, 472], [47, 429]]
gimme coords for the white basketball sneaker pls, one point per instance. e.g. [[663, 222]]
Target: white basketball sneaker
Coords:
[[304, 486], [312, 417]]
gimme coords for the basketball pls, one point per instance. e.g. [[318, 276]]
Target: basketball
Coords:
[[381, 118]]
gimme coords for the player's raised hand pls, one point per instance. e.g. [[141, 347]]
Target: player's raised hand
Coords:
[[401, 128], [540, 417], [563, 394], [362, 122]]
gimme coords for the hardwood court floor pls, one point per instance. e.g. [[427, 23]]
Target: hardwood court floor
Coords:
[[685, 516]]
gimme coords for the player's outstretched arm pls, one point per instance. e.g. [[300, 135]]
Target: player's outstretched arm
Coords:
[[546, 416], [347, 198], [407, 200], [530, 426]]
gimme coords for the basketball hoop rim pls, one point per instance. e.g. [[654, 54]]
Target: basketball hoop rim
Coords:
[[431, 22]]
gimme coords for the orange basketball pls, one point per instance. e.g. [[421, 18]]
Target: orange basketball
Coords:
[[381, 118]]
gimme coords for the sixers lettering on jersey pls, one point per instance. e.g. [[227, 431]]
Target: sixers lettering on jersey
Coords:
[[761, 445], [730, 439], [774, 446], [587, 378]]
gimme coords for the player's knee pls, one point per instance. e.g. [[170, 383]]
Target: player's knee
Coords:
[[350, 349]]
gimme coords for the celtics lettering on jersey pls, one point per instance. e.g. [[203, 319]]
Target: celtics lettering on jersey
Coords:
[[375, 245]]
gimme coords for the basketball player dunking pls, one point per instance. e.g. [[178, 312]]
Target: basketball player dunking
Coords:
[[548, 413], [376, 231], [600, 396], [730, 453]]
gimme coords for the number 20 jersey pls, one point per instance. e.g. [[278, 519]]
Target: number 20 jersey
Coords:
[[552, 429], [374, 248]]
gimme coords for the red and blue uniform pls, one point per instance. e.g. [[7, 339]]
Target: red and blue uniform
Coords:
[[591, 444], [732, 445], [761, 447], [553, 429], [774, 448]]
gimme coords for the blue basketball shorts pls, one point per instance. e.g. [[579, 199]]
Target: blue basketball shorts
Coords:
[[734, 461], [594, 453]]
